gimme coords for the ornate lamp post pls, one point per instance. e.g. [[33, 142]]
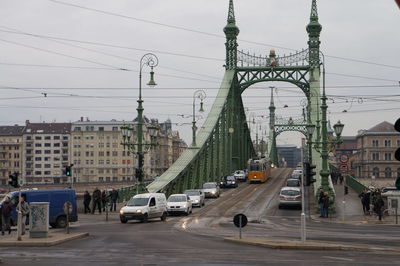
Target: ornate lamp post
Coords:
[[151, 61], [199, 94]]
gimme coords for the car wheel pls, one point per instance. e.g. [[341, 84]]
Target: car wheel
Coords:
[[187, 212], [61, 222], [191, 210], [145, 218], [279, 207], [203, 203], [123, 220], [164, 217]]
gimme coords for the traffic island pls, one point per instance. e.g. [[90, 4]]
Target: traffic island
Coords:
[[308, 245], [52, 240]]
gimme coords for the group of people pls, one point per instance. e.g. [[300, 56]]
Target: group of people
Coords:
[[6, 212], [323, 201], [99, 200], [337, 176], [377, 202]]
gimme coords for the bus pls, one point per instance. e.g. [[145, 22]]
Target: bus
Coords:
[[259, 170]]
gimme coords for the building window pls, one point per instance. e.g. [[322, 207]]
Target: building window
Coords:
[[375, 172], [77, 129], [65, 137], [398, 172], [38, 165], [56, 144], [47, 144], [388, 172], [38, 172], [38, 144], [47, 172], [47, 137], [114, 128], [101, 128], [101, 153], [388, 156], [47, 166], [375, 156], [101, 179], [38, 138], [375, 143], [114, 153], [28, 137], [38, 159], [56, 137], [38, 152], [56, 152], [388, 143], [107, 179], [47, 151]]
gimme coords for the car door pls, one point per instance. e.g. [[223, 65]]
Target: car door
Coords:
[[153, 208]]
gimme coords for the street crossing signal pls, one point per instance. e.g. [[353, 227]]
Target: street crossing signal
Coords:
[[13, 180], [309, 173], [68, 170]]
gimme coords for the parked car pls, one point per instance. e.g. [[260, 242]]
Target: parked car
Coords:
[[196, 196], [293, 182], [143, 207], [179, 203], [56, 198], [211, 190], [228, 181], [290, 196], [240, 175]]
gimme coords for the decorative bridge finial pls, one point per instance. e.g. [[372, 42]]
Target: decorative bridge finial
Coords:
[[314, 11], [231, 13]]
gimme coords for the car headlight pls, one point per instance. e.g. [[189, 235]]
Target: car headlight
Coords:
[[233, 182], [196, 200], [138, 211], [121, 212], [213, 192]]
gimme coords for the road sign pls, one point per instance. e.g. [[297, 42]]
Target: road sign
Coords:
[[21, 182], [240, 220]]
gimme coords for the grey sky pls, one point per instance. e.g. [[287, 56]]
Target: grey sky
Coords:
[[365, 30]]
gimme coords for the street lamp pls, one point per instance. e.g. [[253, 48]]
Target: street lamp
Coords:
[[199, 94], [151, 61]]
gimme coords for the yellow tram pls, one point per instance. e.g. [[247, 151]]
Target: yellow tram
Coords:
[[259, 170]]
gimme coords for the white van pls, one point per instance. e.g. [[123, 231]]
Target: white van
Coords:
[[143, 207]]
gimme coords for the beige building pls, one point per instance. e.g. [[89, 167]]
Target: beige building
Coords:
[[45, 152], [375, 152], [10, 151]]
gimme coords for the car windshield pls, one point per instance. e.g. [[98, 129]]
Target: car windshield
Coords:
[[209, 185], [293, 183], [177, 198], [239, 172], [138, 202], [192, 192], [290, 192], [230, 178]]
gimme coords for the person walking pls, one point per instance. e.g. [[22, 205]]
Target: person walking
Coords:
[[96, 196], [325, 201], [104, 200], [114, 198], [6, 212], [86, 201], [24, 208], [320, 202], [378, 206], [341, 178]]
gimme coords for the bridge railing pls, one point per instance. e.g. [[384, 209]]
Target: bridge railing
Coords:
[[354, 184]]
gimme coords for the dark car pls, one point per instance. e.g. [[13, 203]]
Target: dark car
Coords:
[[293, 182], [228, 181]]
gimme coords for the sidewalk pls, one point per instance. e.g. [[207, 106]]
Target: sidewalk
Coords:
[[349, 210], [308, 245], [54, 238]]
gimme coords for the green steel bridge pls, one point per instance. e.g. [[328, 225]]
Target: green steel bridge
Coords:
[[224, 143]]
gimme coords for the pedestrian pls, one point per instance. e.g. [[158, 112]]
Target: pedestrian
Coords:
[[334, 178], [86, 201], [113, 197], [96, 196], [104, 199], [341, 178], [325, 201], [378, 205], [24, 208], [320, 202], [6, 212]]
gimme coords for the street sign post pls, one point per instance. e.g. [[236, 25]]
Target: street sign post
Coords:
[[240, 220]]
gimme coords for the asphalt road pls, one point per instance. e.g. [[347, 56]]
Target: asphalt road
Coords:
[[198, 239]]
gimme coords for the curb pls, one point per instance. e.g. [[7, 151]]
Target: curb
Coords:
[[45, 243], [310, 245]]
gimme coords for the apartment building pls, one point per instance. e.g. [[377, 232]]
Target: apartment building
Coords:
[[45, 152], [375, 152], [10, 151]]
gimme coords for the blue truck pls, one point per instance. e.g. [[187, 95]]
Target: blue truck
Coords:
[[56, 198]]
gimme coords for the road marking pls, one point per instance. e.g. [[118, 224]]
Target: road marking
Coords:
[[338, 258]]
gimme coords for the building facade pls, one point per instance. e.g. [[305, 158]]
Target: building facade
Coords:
[[375, 152], [45, 152], [11, 158]]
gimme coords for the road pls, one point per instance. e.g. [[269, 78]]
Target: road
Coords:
[[198, 239]]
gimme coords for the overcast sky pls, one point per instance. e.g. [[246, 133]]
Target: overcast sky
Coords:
[[84, 56]]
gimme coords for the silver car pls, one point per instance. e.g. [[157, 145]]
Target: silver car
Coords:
[[196, 196], [211, 190], [240, 175], [290, 196]]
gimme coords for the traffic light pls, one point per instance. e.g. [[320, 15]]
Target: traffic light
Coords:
[[68, 170], [138, 174], [309, 173], [397, 152], [14, 180]]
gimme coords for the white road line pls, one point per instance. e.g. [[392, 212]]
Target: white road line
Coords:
[[337, 258]]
